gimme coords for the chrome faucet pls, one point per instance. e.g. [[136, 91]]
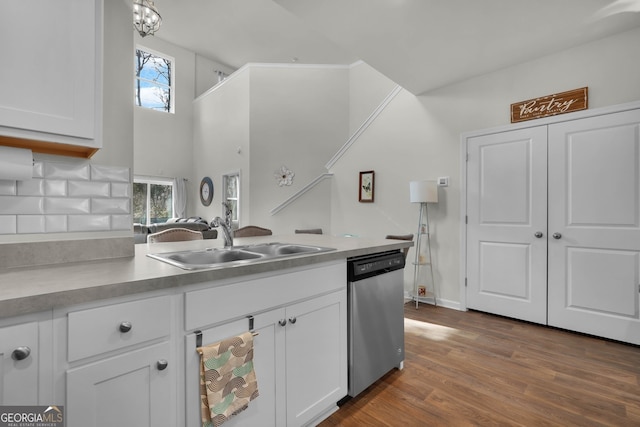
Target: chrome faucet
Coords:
[[224, 225]]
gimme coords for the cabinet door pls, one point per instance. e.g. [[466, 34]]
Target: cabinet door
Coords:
[[49, 77], [316, 356], [126, 390], [507, 224], [268, 409], [594, 213], [19, 378]]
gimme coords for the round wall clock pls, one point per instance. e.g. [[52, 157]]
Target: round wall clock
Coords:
[[206, 191]]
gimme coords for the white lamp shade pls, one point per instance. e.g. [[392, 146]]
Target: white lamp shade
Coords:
[[423, 192]]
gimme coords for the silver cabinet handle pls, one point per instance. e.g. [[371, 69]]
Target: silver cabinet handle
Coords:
[[21, 353], [282, 322], [557, 236], [293, 320], [125, 327], [538, 234], [162, 365]]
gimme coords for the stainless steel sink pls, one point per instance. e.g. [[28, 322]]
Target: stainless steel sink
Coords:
[[217, 257], [281, 249]]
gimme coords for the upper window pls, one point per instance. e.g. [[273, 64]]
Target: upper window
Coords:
[[154, 80], [152, 200]]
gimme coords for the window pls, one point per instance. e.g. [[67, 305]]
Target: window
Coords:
[[153, 81], [231, 188], [152, 201]]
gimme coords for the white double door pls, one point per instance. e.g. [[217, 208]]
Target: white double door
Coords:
[[553, 225]]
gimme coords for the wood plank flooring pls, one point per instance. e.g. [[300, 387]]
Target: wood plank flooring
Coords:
[[477, 369]]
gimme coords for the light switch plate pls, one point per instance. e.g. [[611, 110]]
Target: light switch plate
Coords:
[[443, 181]]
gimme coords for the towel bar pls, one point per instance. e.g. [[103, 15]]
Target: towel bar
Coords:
[[199, 333]]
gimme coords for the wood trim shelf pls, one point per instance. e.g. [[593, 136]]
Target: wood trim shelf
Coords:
[[46, 147]]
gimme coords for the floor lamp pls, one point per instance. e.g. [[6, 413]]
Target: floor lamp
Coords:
[[423, 192]]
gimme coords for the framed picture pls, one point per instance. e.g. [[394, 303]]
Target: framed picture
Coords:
[[366, 187]]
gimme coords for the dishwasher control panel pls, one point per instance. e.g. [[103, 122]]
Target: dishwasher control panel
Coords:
[[371, 265]]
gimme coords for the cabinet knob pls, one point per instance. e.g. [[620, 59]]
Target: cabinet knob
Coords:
[[125, 326], [21, 353], [282, 322], [162, 365], [538, 234], [557, 236], [292, 320]]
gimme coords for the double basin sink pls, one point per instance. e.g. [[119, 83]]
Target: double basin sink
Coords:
[[217, 257]]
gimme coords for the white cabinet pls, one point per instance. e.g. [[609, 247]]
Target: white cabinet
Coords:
[[553, 233], [51, 75], [122, 369], [19, 359], [300, 352], [316, 356], [136, 388]]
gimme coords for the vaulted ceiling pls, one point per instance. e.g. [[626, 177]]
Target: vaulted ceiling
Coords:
[[420, 44]]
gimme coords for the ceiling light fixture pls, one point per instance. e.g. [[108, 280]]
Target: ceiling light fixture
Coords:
[[146, 18]]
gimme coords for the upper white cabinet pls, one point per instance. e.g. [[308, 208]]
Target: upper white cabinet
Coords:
[[51, 75]]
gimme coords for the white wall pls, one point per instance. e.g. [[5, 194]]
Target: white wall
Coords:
[[275, 115], [299, 119], [419, 138], [163, 142], [221, 143], [206, 77]]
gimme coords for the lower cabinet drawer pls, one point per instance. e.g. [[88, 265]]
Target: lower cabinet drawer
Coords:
[[99, 330]]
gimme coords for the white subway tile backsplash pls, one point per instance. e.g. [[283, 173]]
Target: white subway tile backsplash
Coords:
[[67, 197], [66, 205], [89, 222], [66, 171], [88, 188], [38, 170], [113, 206], [55, 187], [121, 222], [120, 190], [7, 187], [109, 173], [31, 223], [14, 205], [55, 223], [31, 187], [8, 224]]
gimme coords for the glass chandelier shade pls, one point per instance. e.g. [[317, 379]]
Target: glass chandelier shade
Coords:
[[146, 19]]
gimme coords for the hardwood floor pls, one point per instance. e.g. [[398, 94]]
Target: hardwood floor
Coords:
[[471, 368]]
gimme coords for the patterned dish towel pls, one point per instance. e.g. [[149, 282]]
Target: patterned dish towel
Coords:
[[227, 379]]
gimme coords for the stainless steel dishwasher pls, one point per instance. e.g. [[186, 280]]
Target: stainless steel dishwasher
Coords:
[[376, 317]]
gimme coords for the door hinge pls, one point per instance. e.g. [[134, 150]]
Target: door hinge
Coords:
[[466, 219], [467, 158], [465, 282]]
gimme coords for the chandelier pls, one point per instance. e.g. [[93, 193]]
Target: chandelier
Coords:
[[146, 18]]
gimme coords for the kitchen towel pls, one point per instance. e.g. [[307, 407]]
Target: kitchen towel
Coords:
[[227, 378]]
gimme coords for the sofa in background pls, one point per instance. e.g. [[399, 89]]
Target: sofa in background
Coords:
[[140, 232]]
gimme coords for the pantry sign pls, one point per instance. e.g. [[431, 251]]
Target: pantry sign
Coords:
[[551, 105]]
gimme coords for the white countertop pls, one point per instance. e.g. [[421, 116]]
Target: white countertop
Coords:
[[34, 289]]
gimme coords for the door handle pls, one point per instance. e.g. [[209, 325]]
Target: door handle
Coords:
[[292, 320], [557, 236], [21, 353], [282, 322], [162, 364], [538, 234]]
